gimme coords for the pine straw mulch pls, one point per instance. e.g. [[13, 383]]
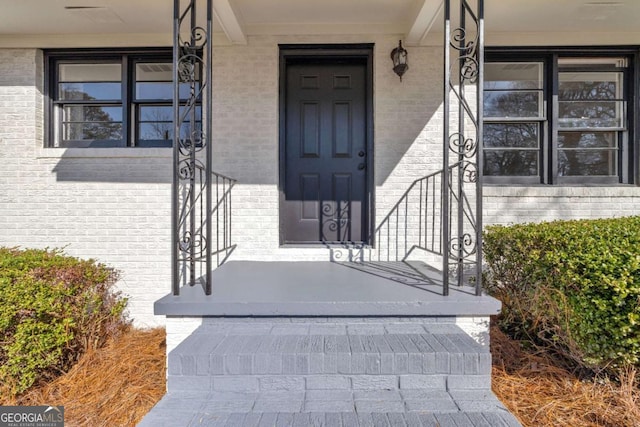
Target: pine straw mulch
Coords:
[[118, 384], [541, 393], [112, 386]]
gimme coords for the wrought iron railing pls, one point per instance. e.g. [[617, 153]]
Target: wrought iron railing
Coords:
[[412, 224], [221, 218], [441, 213], [462, 151], [415, 223], [197, 257], [201, 199], [448, 224]]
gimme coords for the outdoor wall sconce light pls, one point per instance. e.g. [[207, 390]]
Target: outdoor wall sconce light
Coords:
[[399, 57]]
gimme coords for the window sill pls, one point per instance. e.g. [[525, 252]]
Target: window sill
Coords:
[[102, 153]]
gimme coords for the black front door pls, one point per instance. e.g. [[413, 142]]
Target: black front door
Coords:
[[325, 159]]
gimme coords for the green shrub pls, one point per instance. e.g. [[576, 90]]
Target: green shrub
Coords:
[[573, 286], [52, 309]]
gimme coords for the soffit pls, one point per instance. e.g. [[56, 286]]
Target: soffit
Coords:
[[241, 18]]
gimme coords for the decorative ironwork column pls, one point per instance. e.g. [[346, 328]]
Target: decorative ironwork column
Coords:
[[192, 201], [462, 155]]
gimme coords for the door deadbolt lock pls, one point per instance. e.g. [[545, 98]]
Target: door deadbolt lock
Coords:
[[361, 153]]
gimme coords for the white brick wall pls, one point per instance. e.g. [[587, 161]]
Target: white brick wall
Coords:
[[508, 205], [180, 327], [113, 204], [107, 204], [476, 327], [407, 133]]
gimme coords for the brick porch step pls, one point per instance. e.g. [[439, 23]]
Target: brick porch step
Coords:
[[351, 372], [449, 360], [331, 408]]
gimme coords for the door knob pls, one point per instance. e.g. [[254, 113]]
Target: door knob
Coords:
[[361, 166]]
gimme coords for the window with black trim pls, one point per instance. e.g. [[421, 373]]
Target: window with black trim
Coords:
[[558, 118], [112, 99]]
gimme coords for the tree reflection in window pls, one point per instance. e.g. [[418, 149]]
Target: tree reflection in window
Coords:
[[513, 107], [590, 99], [587, 153], [82, 122], [511, 149], [115, 98], [153, 95], [89, 98], [590, 110], [585, 139]]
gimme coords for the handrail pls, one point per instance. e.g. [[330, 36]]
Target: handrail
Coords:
[[217, 249], [221, 217], [415, 222], [417, 210]]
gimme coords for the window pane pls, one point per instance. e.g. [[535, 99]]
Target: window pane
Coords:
[[587, 140], [576, 114], [161, 131], [89, 91], [158, 90], [517, 135], [156, 113], [587, 162], [154, 72], [90, 73], [161, 90], [511, 163], [513, 104], [513, 75], [156, 122], [154, 81], [159, 113], [84, 113], [92, 131], [590, 86], [156, 131]]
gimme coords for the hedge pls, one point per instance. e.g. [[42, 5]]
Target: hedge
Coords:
[[53, 308], [573, 286]]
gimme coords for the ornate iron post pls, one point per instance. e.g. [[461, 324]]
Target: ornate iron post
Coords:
[[192, 152], [461, 232]]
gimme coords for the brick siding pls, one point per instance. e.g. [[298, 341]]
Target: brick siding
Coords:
[[114, 204]]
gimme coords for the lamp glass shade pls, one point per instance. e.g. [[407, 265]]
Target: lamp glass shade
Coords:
[[399, 56]]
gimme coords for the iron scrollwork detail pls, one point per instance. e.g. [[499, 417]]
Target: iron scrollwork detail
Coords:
[[464, 46], [462, 145], [192, 202], [336, 221], [462, 247], [199, 38], [469, 70], [188, 169], [192, 242], [469, 67], [470, 172]]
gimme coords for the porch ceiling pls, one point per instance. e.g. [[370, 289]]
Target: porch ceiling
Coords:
[[237, 19]]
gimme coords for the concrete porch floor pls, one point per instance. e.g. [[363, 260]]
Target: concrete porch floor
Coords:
[[251, 288]]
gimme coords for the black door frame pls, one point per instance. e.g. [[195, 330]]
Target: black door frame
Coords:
[[297, 52]]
